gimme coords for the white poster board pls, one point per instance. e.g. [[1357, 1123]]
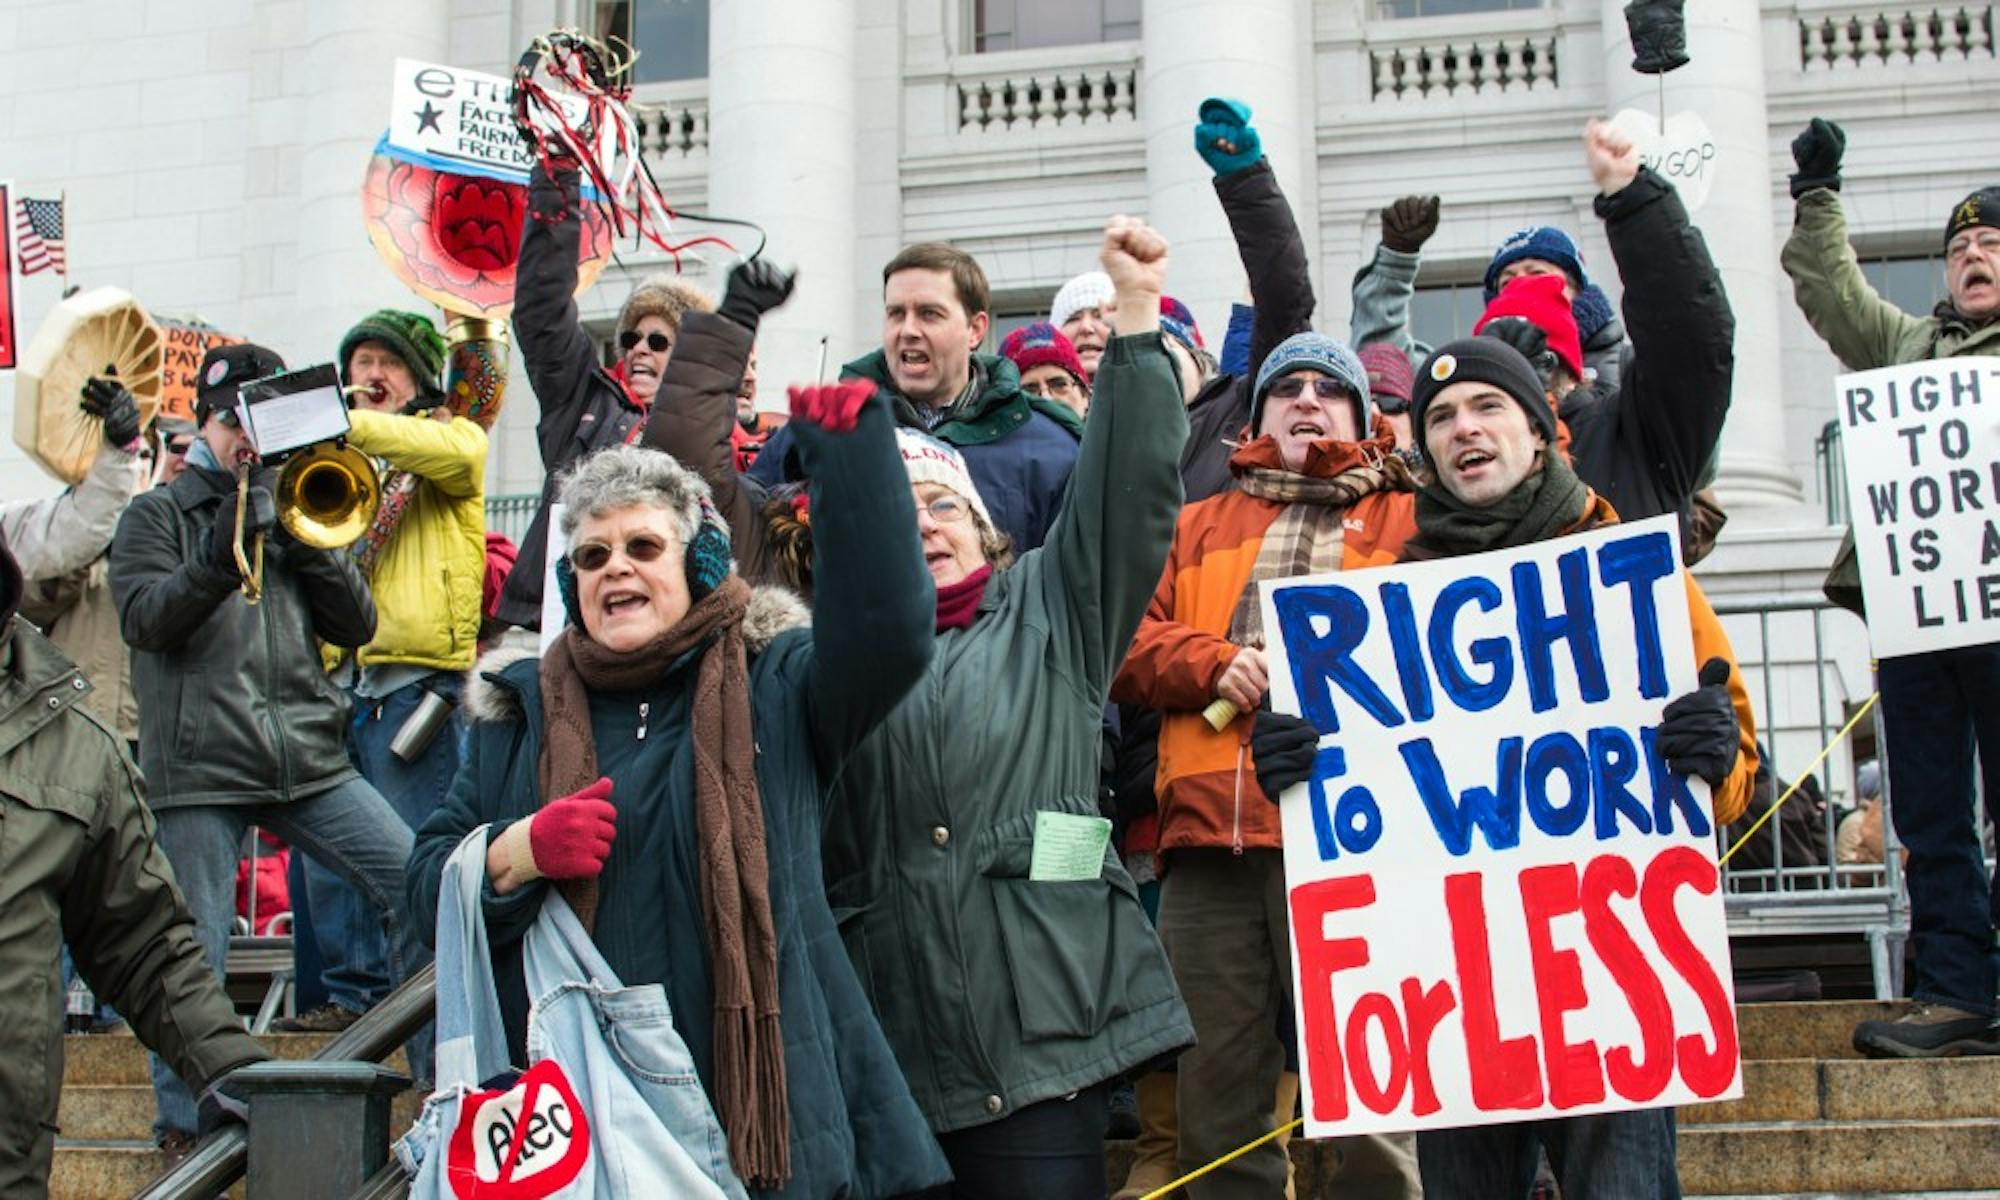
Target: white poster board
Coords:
[[463, 119], [553, 616], [1683, 152], [1503, 906], [1922, 448]]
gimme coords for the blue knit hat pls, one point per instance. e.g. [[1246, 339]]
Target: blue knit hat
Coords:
[[1316, 351], [1545, 242]]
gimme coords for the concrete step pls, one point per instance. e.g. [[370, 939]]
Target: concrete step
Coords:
[[1894, 1158], [120, 1112], [1858, 1090], [1808, 1029], [107, 1170], [118, 1058]]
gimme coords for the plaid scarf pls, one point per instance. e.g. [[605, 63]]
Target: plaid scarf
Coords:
[[1309, 536]]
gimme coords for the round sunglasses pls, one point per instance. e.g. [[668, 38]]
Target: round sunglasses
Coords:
[[639, 548]]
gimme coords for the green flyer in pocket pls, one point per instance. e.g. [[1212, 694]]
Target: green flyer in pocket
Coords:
[[1068, 847]]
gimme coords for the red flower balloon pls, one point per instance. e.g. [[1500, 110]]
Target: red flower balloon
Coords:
[[454, 238]]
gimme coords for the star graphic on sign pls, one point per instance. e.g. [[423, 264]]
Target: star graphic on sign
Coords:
[[427, 118]]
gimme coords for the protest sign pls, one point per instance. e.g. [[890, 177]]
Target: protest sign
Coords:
[[1504, 907], [462, 120], [1681, 150], [182, 347], [1923, 486]]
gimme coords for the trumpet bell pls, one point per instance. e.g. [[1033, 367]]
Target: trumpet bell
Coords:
[[327, 496]]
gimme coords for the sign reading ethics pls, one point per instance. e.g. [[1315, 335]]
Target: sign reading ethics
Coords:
[[463, 120], [1922, 445], [1504, 906]]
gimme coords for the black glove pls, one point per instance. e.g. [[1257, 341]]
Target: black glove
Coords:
[[1282, 748], [1698, 732], [260, 515], [1408, 223], [1527, 337], [1659, 35], [1817, 152], [755, 288], [108, 401]]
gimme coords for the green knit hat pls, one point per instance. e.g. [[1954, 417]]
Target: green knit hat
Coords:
[[414, 339]]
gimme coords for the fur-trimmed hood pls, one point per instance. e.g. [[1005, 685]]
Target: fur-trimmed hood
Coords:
[[772, 611]]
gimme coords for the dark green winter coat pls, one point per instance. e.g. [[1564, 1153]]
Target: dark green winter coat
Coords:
[[814, 694], [78, 865], [998, 992]]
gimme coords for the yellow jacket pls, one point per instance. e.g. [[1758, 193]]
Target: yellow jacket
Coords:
[[427, 579]]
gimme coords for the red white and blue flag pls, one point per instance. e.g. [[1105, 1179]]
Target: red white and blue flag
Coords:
[[38, 235]]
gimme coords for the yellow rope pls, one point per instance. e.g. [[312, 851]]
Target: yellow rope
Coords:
[[1230, 1157], [1803, 776]]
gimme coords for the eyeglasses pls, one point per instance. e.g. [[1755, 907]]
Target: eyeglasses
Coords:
[[179, 445], [1050, 389], [1987, 240], [639, 548], [946, 510], [229, 417], [658, 343], [1292, 385]]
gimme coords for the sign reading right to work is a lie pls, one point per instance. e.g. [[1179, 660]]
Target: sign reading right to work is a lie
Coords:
[[1504, 905]]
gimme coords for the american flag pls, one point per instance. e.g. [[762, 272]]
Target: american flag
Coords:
[[38, 231]]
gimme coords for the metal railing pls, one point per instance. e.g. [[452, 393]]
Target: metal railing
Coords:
[[511, 514], [221, 1160], [1820, 896]]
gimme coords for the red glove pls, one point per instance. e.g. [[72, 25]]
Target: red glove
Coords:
[[834, 407], [570, 838]]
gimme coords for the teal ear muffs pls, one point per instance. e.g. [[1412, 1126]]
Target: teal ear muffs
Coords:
[[707, 564]]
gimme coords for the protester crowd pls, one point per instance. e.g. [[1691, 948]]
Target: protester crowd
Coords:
[[790, 762]]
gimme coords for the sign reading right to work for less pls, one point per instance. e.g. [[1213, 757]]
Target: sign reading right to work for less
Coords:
[[1504, 906], [1922, 447]]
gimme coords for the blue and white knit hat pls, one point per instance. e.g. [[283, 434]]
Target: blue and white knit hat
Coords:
[[1088, 290], [1545, 242], [1318, 352]]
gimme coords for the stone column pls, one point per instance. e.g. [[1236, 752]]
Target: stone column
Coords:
[[350, 55], [1257, 51], [1724, 83], [781, 108]]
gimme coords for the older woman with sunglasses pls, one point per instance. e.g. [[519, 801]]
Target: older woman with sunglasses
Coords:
[[663, 766], [1002, 943]]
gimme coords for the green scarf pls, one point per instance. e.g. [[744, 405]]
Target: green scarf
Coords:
[[1543, 506]]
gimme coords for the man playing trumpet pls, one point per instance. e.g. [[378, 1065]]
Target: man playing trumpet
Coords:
[[424, 557], [238, 723]]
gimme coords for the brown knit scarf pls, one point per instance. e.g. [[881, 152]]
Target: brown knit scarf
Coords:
[[1309, 536], [729, 829]]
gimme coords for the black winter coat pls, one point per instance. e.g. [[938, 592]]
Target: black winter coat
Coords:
[[1642, 442], [583, 407]]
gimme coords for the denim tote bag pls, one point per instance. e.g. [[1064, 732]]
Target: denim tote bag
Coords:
[[609, 1105]]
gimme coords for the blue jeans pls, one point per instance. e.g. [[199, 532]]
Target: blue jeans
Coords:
[[1628, 1155], [1934, 707], [349, 826], [354, 959]]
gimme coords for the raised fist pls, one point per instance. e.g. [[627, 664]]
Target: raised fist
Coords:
[[1817, 152], [1409, 222]]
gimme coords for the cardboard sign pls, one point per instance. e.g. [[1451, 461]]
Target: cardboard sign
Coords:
[[529, 1141], [1504, 907], [1684, 153], [463, 120], [183, 345], [9, 349], [1922, 445]]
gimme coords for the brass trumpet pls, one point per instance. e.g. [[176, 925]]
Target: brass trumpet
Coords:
[[326, 498]]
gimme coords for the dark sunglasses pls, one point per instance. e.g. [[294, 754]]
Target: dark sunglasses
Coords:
[[658, 343], [639, 548], [179, 445], [1292, 385]]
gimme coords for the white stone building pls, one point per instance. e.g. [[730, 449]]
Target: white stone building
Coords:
[[211, 153]]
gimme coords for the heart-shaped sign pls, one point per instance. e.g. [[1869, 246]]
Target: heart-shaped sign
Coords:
[[1684, 153], [521, 1144]]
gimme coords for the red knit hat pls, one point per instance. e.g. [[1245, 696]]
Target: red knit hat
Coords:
[[1390, 378], [1040, 344], [1538, 299]]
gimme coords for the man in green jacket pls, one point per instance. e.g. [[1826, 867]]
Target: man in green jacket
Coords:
[[78, 864], [1934, 705], [424, 557]]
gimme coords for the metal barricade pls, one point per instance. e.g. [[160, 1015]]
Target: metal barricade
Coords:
[[1807, 668], [512, 514]]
